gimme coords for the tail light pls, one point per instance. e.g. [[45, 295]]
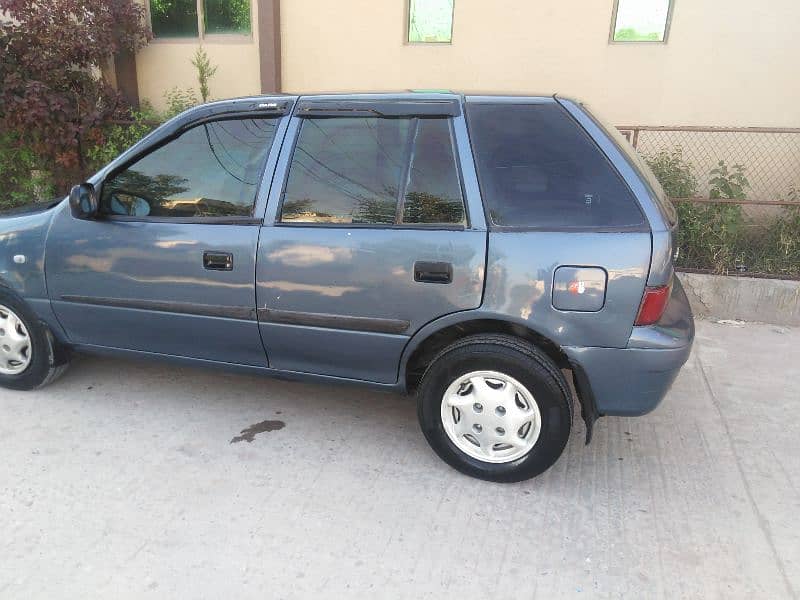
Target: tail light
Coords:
[[654, 303]]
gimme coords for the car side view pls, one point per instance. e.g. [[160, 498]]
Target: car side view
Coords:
[[477, 251]]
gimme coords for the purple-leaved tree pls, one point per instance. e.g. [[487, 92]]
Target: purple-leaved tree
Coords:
[[53, 98]]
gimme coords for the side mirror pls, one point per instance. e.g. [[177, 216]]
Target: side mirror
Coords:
[[83, 201]]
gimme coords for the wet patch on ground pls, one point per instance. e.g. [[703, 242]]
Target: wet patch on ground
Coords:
[[249, 434]]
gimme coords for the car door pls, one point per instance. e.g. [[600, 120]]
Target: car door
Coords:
[[168, 265], [376, 230]]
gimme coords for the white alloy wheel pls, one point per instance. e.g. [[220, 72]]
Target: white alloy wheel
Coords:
[[491, 416], [15, 343]]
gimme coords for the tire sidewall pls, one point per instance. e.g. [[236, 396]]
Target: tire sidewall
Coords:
[[545, 389], [39, 366]]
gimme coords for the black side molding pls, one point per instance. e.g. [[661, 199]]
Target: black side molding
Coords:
[[243, 313], [327, 321]]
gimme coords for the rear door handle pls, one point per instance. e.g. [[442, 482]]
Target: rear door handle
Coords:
[[218, 261], [433, 272]]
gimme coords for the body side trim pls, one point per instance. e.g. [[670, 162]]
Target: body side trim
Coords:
[[329, 321], [243, 313]]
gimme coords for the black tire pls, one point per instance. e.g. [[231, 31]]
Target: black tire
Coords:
[[530, 367], [47, 360]]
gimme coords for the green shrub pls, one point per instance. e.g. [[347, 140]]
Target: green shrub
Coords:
[[121, 136], [727, 183], [24, 177], [786, 244], [179, 100], [674, 173], [205, 71]]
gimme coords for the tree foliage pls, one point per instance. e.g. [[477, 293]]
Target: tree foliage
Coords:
[[53, 98]]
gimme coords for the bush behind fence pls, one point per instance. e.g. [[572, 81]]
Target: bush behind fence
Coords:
[[737, 192]]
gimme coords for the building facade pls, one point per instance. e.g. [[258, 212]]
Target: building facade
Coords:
[[656, 62]]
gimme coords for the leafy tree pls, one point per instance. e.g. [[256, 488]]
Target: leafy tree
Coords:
[[374, 210], [224, 16], [52, 99], [156, 189], [422, 207]]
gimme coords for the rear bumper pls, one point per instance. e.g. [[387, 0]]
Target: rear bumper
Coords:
[[632, 381], [627, 381]]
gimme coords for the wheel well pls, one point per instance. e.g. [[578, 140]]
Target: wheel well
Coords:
[[436, 342]]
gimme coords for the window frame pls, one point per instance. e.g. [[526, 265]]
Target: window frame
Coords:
[[202, 36], [294, 135], [667, 27], [643, 227], [407, 30], [251, 219]]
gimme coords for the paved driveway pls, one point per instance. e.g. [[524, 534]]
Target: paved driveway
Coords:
[[121, 481]]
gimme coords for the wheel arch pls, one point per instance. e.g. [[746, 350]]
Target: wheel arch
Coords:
[[435, 336]]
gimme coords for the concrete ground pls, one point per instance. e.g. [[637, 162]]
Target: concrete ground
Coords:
[[121, 481]]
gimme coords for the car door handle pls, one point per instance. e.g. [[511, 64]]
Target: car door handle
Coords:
[[433, 272], [218, 261]]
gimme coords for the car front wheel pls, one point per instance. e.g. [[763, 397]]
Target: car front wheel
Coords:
[[27, 352], [495, 407]]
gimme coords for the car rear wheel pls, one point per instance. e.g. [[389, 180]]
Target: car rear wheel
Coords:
[[495, 407], [28, 357]]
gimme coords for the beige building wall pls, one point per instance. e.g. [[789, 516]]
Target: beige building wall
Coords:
[[725, 63], [165, 64]]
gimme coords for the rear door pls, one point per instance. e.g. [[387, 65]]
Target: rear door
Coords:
[[374, 228]]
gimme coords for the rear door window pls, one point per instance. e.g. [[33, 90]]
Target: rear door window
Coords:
[[373, 171], [538, 168]]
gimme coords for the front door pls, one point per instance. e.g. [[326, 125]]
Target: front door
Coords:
[[168, 266], [370, 236]]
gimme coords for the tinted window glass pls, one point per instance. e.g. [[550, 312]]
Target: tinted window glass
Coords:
[[173, 18], [212, 170], [227, 16], [538, 168], [433, 193], [351, 170], [345, 170], [664, 203]]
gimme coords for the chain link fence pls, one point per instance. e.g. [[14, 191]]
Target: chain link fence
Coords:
[[770, 157], [737, 191]]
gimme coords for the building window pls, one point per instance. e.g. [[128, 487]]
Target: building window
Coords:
[[430, 21], [227, 16], [197, 18], [173, 18], [641, 20]]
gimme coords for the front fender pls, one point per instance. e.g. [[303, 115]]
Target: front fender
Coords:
[[22, 251]]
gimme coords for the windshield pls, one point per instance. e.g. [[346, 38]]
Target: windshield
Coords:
[[664, 203]]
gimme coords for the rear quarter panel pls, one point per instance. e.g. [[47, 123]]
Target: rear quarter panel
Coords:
[[519, 282]]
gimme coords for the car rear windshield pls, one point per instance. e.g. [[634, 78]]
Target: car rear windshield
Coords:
[[645, 172], [538, 168]]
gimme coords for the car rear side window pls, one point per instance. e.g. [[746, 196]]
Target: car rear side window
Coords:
[[370, 170], [538, 168], [211, 170]]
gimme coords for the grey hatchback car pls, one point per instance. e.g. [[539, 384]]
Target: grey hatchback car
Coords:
[[478, 251]]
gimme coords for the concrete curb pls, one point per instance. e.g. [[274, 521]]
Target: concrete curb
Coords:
[[743, 298]]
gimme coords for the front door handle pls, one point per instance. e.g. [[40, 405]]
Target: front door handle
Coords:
[[433, 272], [218, 261]]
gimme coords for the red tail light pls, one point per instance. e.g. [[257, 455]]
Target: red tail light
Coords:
[[654, 303]]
